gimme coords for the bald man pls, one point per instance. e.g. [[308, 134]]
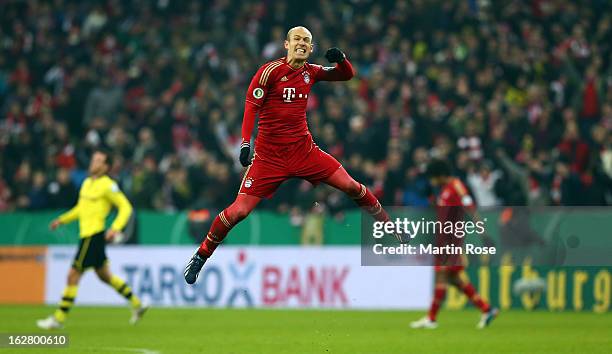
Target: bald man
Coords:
[[278, 94]]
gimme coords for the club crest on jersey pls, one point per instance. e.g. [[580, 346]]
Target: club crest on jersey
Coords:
[[248, 182], [306, 77], [258, 93]]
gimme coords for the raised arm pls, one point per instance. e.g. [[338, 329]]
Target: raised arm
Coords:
[[342, 71]]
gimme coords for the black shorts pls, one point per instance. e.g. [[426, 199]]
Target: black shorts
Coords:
[[91, 253]]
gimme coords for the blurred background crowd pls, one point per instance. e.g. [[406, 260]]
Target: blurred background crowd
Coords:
[[517, 95]]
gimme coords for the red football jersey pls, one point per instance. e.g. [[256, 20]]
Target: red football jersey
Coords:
[[451, 204], [454, 194], [280, 93]]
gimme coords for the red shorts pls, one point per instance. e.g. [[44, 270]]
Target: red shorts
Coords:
[[449, 264], [448, 269], [274, 164]]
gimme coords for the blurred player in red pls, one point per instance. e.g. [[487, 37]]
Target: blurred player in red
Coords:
[[278, 94], [451, 203]]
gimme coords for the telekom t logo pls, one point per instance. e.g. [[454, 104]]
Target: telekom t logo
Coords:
[[288, 93]]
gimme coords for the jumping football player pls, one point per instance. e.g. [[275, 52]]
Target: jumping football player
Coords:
[[278, 93], [97, 196], [451, 203]]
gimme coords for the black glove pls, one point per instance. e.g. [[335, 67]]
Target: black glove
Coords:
[[245, 153], [334, 55]]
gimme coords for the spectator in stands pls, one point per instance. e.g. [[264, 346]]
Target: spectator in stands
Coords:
[[573, 148], [5, 195], [160, 84], [103, 104], [38, 196], [482, 183], [62, 192]]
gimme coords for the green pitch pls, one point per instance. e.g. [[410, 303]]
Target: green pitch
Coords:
[[198, 330]]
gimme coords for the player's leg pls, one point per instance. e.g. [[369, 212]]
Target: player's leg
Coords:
[[225, 221], [105, 275], [221, 226], [362, 196], [462, 282], [260, 180], [82, 260], [69, 294], [440, 285], [318, 166], [358, 192]]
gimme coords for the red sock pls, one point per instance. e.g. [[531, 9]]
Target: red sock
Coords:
[[367, 201], [218, 230], [471, 293], [438, 298]]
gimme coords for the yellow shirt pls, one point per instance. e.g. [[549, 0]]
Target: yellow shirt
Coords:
[[96, 198]]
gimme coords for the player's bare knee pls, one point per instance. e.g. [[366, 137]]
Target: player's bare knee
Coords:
[[455, 280], [73, 276], [103, 275], [240, 213], [353, 189], [237, 212], [440, 278]]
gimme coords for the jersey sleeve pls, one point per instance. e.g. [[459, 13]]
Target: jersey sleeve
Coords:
[[69, 216], [465, 198], [340, 72], [248, 121], [258, 89], [255, 96], [118, 199]]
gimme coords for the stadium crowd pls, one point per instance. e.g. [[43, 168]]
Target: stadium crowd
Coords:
[[516, 94]]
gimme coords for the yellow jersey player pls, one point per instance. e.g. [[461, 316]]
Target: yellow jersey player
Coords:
[[98, 194]]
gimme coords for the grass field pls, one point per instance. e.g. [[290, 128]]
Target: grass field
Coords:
[[196, 330]]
